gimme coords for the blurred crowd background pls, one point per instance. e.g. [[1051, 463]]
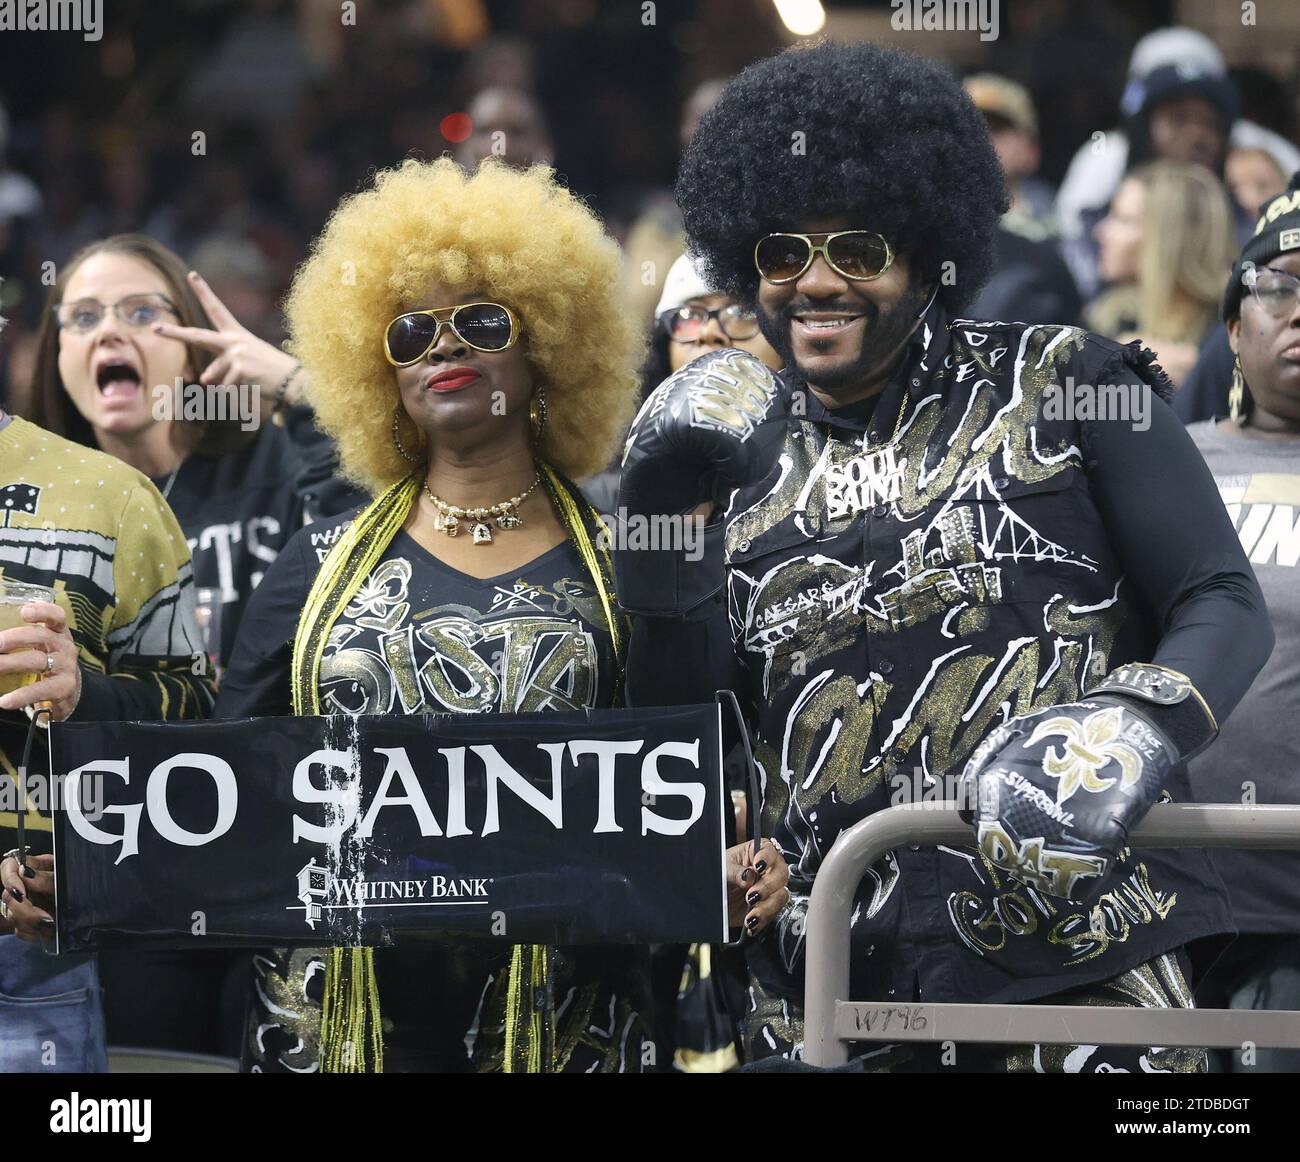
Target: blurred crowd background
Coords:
[[229, 130]]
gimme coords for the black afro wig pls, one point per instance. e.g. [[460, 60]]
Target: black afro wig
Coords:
[[888, 139]]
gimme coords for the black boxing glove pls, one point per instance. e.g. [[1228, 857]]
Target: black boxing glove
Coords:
[[1053, 795], [716, 425]]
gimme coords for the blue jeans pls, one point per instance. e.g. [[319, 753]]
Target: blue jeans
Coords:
[[51, 1018]]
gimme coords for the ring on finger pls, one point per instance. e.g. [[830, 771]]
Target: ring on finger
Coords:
[[49, 663], [4, 909]]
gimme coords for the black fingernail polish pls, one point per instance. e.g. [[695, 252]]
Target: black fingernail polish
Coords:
[[746, 875], [29, 871], [46, 922], [751, 899], [753, 920], [17, 894], [761, 865]]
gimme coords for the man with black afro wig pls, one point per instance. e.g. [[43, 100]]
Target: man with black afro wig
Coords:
[[940, 559], [854, 132]]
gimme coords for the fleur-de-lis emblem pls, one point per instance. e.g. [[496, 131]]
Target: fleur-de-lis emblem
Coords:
[[380, 603], [1089, 747]]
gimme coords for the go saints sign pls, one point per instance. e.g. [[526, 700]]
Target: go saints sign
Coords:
[[595, 827]]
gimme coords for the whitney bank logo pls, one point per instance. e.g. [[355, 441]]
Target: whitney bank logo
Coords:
[[84, 16], [320, 890]]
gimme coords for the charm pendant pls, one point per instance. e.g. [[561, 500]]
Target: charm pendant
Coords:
[[868, 479], [505, 513]]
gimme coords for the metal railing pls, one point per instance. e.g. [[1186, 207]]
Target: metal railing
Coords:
[[831, 1021]]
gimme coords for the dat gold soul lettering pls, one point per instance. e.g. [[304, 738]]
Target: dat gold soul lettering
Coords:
[[985, 925], [1049, 870]]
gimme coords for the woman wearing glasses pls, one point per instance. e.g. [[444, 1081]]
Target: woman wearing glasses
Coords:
[[694, 318], [124, 364], [138, 357], [1255, 457], [473, 362], [691, 320]]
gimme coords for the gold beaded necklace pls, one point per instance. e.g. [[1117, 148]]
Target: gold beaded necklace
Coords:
[[505, 514]]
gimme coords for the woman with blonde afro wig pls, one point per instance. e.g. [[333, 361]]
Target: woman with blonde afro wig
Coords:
[[520, 239], [463, 343]]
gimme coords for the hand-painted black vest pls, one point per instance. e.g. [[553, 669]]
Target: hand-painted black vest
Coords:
[[891, 609]]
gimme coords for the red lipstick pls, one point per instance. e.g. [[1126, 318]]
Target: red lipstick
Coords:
[[451, 380]]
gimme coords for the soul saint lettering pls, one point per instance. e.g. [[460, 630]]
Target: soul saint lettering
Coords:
[[866, 480]]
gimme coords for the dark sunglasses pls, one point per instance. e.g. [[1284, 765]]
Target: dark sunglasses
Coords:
[[856, 254], [687, 324], [483, 326]]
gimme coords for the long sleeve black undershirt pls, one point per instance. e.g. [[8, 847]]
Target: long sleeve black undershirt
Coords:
[[1172, 533]]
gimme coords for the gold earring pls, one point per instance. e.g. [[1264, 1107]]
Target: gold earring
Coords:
[[537, 412], [397, 438], [1237, 394]]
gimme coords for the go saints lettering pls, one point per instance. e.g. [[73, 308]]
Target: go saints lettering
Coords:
[[451, 792]]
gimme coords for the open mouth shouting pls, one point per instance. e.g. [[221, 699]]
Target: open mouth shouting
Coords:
[[118, 380]]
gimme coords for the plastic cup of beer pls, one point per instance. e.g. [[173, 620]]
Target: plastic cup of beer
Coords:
[[13, 596]]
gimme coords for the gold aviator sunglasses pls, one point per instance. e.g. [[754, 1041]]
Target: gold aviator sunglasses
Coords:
[[860, 255], [486, 327]]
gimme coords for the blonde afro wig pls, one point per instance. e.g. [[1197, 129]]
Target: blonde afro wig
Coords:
[[524, 240]]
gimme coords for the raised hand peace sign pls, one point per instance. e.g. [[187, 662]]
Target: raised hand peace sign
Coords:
[[241, 357]]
